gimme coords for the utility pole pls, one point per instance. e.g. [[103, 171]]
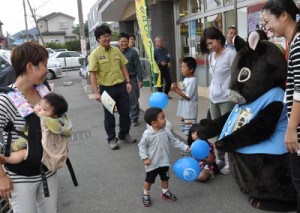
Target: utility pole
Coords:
[[37, 27], [81, 27], [235, 13], [25, 18]]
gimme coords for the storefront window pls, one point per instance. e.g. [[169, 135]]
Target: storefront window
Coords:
[[228, 2], [190, 34], [229, 19], [242, 22], [197, 6], [201, 71], [182, 7], [215, 21], [213, 4], [184, 39]]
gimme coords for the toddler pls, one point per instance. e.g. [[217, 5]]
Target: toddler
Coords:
[[209, 168], [154, 150]]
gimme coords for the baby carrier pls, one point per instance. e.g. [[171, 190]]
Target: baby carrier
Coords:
[[32, 165]]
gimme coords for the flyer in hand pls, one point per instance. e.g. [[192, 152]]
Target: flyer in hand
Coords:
[[108, 102]]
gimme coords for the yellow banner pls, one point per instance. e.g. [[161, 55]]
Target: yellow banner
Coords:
[[142, 18]]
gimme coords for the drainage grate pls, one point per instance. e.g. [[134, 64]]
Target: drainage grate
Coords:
[[77, 136]]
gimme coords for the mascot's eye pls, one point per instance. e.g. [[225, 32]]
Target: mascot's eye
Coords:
[[244, 74]]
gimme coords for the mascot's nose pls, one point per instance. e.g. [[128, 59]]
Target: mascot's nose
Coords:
[[236, 97]]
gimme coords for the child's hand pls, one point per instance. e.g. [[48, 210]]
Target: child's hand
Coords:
[[2, 159], [174, 86], [188, 150], [147, 161]]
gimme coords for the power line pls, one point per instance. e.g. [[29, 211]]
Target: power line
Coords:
[[43, 4]]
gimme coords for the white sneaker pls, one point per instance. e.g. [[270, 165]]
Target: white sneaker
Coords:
[[225, 170], [220, 164]]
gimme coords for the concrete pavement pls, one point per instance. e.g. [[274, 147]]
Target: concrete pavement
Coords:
[[112, 181]]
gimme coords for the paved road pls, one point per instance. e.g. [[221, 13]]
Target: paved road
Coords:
[[112, 181]]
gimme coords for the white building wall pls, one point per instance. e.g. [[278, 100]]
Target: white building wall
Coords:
[[94, 20], [56, 24], [43, 27]]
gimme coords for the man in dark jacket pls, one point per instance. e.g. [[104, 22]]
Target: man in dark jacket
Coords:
[[135, 72], [163, 60]]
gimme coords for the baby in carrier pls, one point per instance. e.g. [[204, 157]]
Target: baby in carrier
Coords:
[[56, 128]]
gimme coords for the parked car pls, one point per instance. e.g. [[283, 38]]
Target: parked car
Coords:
[[7, 74], [54, 68], [84, 69], [60, 50], [67, 59], [114, 44], [5, 54], [50, 51]]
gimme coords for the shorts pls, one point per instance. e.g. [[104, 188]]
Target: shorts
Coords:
[[163, 172]]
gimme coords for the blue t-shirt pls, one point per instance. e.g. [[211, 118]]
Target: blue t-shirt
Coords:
[[243, 114]]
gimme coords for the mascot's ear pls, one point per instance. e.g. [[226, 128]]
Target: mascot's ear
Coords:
[[262, 35], [253, 40], [239, 43]]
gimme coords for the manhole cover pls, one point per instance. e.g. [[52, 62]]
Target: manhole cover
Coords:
[[77, 136]]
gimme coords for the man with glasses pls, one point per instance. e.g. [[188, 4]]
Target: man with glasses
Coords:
[[107, 67]]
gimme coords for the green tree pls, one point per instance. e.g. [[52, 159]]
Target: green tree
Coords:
[[76, 29]]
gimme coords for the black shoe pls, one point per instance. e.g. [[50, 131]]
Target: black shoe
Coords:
[[134, 123], [168, 196], [128, 139], [146, 200]]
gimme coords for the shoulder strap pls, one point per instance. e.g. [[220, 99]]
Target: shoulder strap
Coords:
[[6, 89], [9, 127], [72, 173]]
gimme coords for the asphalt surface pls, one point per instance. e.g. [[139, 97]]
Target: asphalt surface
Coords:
[[112, 181]]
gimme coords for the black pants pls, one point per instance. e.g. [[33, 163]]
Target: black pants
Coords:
[[165, 75], [120, 95], [295, 170]]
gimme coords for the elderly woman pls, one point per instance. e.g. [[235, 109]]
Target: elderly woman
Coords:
[[31, 187]]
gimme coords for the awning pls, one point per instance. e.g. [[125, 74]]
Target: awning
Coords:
[[115, 10]]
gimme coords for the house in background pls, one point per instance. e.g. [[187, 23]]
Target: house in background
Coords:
[[2, 38], [21, 36], [56, 27]]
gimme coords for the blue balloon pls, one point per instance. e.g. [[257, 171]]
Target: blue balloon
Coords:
[[158, 99], [200, 149], [187, 169]]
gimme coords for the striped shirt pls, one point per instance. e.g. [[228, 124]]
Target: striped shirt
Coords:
[[9, 112], [293, 76]]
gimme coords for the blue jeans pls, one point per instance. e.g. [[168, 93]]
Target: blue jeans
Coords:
[[134, 96], [120, 95]]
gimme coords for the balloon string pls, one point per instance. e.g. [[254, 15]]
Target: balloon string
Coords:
[[186, 154]]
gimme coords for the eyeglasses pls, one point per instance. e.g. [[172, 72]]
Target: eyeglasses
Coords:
[[105, 36]]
